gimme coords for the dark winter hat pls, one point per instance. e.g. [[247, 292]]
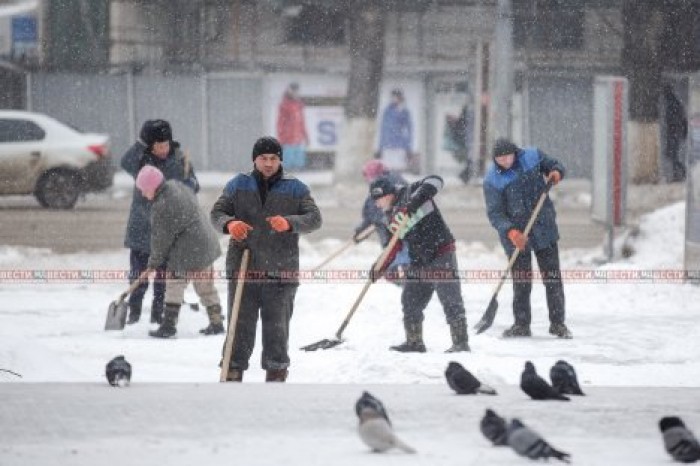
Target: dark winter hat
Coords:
[[381, 187], [154, 131], [267, 145], [503, 146]]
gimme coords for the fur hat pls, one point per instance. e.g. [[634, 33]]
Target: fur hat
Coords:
[[503, 146], [154, 131], [149, 178], [267, 145], [381, 187], [373, 169]]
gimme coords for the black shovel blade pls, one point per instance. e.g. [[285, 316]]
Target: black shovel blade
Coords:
[[323, 344], [116, 315], [488, 317]]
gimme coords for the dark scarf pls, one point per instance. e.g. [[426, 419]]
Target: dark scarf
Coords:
[[265, 185]]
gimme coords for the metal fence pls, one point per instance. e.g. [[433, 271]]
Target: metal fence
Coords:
[[217, 117]]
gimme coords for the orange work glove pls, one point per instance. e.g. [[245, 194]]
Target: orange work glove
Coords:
[[238, 229], [554, 176], [278, 223], [517, 238]]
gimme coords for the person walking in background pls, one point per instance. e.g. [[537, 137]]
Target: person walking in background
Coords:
[[291, 128], [264, 211], [676, 132], [460, 132], [155, 147], [512, 187], [396, 133], [433, 262], [182, 239]]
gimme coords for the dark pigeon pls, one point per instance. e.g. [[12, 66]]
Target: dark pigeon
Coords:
[[536, 387], [463, 382], [494, 428], [527, 442], [564, 380], [679, 442], [118, 372], [369, 401]]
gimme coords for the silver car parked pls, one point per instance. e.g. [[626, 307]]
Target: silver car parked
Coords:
[[56, 163]]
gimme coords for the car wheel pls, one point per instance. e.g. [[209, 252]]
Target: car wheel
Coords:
[[58, 189]]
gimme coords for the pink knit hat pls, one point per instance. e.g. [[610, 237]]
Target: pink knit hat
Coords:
[[148, 179], [373, 170]]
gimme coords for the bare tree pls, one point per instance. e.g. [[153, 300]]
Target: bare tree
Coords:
[[366, 27]]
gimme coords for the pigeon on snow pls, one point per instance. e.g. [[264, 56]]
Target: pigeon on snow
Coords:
[[679, 442], [494, 428], [118, 372], [375, 429], [536, 387], [527, 442], [463, 382], [564, 380]]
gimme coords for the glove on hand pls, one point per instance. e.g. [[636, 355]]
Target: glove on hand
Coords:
[[554, 176], [517, 238], [238, 229], [279, 223]]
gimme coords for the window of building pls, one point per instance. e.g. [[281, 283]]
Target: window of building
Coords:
[[548, 24], [315, 25], [20, 131]]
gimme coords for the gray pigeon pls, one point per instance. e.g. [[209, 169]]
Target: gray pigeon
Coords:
[[375, 429], [536, 387], [118, 372], [527, 442], [494, 428], [564, 380], [679, 442], [463, 382], [369, 401]]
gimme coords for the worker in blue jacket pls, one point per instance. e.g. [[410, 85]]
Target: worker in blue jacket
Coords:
[[512, 187]]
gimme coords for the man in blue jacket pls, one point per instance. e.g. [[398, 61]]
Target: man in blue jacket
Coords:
[[512, 187]]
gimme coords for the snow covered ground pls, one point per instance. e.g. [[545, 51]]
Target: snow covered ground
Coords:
[[634, 337]]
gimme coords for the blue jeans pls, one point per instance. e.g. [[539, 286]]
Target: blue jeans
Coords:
[[294, 156]]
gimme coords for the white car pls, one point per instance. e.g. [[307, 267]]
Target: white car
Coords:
[[42, 156]]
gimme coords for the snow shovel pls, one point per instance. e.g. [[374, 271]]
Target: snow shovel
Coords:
[[490, 314], [364, 234], [330, 343], [116, 313], [233, 320]]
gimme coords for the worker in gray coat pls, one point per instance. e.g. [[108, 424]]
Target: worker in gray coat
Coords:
[[183, 239], [156, 147], [264, 211]]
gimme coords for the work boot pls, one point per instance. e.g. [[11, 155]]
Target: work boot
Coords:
[[134, 313], [414, 339], [276, 375], [216, 325], [157, 314], [458, 330], [168, 328], [560, 330], [234, 375], [518, 330]]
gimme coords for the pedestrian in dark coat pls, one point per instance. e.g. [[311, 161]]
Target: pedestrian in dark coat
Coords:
[[156, 147], [264, 211], [431, 251], [512, 187], [181, 238]]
